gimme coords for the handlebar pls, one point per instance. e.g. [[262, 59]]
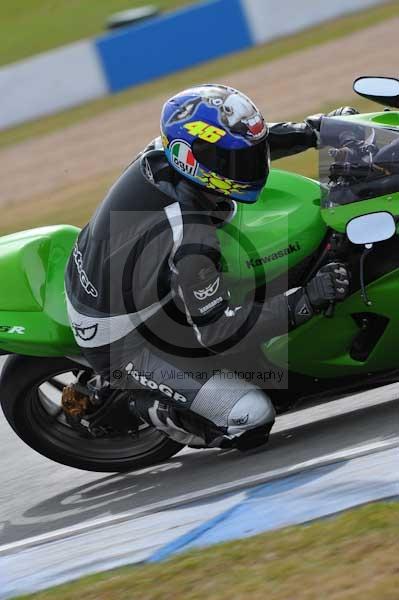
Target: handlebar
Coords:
[[348, 169]]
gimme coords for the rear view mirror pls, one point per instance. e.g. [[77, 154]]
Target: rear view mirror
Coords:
[[384, 90], [371, 228]]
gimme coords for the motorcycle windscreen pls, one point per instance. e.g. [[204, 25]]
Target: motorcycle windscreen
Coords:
[[357, 162]]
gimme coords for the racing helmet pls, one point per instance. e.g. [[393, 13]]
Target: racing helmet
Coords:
[[216, 137]]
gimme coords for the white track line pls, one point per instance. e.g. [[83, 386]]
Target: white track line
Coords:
[[200, 494]]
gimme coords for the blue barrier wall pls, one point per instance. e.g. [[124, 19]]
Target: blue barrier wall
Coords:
[[173, 42]]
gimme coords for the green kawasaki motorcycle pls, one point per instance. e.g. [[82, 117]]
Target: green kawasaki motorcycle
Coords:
[[297, 226]]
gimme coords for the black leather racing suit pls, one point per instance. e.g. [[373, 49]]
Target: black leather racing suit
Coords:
[[146, 293]]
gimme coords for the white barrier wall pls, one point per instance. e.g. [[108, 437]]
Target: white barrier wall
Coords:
[[270, 19], [50, 82]]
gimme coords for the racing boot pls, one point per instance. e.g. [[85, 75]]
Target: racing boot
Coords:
[[194, 431], [164, 418]]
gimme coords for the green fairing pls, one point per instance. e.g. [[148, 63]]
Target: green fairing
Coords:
[[321, 347], [261, 243], [32, 299], [338, 218]]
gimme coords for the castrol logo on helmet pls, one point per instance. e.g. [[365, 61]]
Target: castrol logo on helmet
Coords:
[[183, 158]]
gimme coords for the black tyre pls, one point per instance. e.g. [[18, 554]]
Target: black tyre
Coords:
[[30, 396]]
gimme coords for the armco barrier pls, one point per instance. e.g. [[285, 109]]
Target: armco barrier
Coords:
[[89, 69]]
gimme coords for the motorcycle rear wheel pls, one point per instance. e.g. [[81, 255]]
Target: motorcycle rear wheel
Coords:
[[28, 397]]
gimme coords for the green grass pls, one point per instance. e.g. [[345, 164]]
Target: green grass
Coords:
[[351, 557], [207, 72], [31, 26]]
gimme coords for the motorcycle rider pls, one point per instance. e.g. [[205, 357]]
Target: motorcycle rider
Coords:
[[145, 278]]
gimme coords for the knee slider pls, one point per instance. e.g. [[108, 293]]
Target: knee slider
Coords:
[[252, 411], [233, 406]]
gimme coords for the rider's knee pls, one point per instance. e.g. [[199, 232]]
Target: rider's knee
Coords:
[[233, 405], [252, 411]]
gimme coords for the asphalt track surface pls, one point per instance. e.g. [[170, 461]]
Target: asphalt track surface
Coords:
[[38, 497]]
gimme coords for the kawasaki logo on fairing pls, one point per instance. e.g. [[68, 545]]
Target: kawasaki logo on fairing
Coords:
[[12, 329], [258, 262]]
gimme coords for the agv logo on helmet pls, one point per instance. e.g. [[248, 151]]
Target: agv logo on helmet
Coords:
[[183, 157]]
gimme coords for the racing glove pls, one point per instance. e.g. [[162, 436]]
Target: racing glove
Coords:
[[343, 111], [330, 284], [314, 121]]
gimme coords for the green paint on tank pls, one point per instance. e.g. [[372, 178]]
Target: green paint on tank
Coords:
[[284, 226], [266, 239]]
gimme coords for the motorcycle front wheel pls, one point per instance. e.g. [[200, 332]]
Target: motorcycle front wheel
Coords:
[[30, 396]]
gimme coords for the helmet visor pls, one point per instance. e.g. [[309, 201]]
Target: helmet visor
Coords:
[[248, 164]]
